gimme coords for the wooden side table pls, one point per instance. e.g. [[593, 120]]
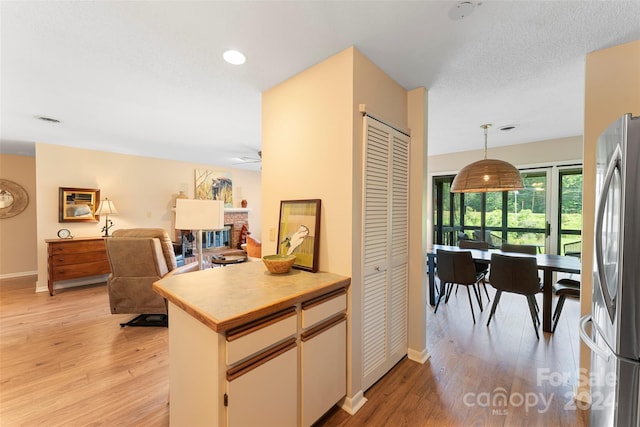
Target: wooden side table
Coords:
[[76, 258]]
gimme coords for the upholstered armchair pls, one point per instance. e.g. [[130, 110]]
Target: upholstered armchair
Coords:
[[138, 257]]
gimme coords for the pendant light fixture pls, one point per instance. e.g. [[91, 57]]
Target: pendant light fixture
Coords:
[[487, 175]]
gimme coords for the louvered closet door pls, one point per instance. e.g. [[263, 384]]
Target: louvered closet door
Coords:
[[385, 249]]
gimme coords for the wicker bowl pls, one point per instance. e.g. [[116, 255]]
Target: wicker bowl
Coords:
[[278, 264]]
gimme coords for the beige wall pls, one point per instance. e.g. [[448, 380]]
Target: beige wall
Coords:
[[307, 146], [612, 89], [307, 154], [312, 148], [18, 233], [142, 188], [418, 224]]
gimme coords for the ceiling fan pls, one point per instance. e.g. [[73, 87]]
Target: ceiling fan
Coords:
[[250, 159]]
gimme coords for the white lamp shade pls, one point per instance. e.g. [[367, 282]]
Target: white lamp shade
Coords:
[[107, 207], [199, 214]]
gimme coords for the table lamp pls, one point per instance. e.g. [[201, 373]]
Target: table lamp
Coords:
[[199, 215], [106, 208]]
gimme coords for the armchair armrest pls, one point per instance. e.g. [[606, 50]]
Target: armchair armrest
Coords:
[[183, 269]]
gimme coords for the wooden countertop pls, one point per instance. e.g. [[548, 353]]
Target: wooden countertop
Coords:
[[225, 297]]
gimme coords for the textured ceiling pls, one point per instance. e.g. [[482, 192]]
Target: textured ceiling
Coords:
[[147, 78]]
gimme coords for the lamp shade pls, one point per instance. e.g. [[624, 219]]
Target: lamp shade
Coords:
[[487, 175], [199, 214], [107, 207]]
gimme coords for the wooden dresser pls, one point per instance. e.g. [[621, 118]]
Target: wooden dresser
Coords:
[[75, 258]]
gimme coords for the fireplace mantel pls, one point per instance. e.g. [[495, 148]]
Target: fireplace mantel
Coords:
[[236, 210]]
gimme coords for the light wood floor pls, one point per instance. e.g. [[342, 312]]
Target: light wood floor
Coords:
[[65, 361]]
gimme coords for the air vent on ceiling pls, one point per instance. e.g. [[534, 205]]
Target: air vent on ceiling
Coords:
[[47, 119]]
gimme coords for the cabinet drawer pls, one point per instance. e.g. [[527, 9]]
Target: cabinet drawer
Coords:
[[322, 308], [78, 258], [64, 272], [253, 337], [77, 246]]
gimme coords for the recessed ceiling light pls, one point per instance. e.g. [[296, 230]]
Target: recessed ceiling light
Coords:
[[507, 128], [47, 119], [234, 57]]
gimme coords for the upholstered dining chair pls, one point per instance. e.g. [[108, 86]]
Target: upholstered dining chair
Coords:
[[481, 267], [563, 288], [521, 249], [138, 257], [518, 275], [457, 268]]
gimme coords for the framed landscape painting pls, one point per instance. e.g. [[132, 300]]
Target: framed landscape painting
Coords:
[[299, 232]]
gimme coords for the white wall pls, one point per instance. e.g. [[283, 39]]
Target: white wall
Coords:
[[143, 189]]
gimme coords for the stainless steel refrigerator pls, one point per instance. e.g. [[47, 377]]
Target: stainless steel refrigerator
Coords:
[[615, 318]]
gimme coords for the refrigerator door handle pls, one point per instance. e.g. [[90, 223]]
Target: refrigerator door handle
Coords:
[[614, 165], [587, 339]]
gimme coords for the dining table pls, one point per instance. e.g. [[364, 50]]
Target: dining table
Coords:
[[547, 263]]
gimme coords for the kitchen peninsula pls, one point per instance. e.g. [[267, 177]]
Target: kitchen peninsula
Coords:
[[248, 347]]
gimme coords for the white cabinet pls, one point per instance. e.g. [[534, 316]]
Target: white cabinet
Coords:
[[264, 391], [283, 369], [324, 368], [323, 354], [262, 378]]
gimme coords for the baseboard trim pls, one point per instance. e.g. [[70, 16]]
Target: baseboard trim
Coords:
[[19, 274], [418, 356], [351, 405]]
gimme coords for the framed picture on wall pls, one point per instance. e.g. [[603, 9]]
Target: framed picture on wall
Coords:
[[214, 185], [299, 232]]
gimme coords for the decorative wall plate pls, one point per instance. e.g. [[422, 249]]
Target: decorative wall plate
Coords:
[[13, 199]]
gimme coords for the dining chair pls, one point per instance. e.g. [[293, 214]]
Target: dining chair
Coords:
[[517, 275], [481, 267], [573, 249], [457, 268], [563, 288], [521, 249]]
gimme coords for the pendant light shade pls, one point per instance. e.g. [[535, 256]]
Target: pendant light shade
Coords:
[[487, 175]]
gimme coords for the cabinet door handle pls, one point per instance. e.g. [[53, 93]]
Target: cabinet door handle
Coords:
[[306, 336], [376, 268], [261, 359]]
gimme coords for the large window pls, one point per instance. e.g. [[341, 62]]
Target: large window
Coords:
[[527, 216], [527, 211]]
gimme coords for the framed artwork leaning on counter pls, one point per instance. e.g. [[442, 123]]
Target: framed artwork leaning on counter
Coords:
[[299, 232]]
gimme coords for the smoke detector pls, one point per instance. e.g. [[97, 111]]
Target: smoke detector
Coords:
[[462, 9]]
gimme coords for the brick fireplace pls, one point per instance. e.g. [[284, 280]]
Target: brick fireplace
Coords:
[[236, 218]]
